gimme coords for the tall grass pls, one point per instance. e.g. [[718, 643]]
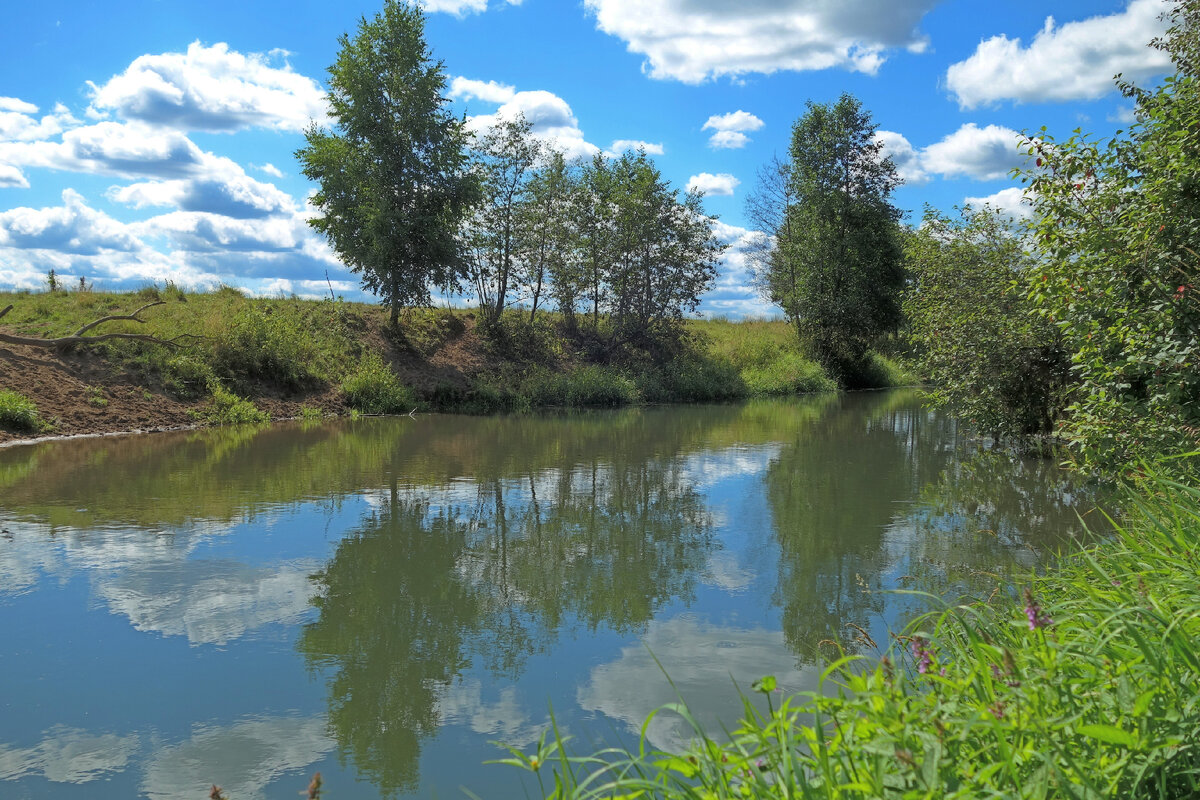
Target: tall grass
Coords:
[[19, 413], [1083, 683]]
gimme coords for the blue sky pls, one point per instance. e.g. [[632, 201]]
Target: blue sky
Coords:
[[149, 140]]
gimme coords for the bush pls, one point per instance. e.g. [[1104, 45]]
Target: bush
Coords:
[[266, 342], [374, 389], [18, 413], [226, 408], [1085, 685]]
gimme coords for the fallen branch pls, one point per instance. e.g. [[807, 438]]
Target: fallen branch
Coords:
[[79, 337]]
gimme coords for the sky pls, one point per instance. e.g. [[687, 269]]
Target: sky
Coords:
[[153, 140]]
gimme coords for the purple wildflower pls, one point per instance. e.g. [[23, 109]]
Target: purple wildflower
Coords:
[[922, 653], [1037, 617]]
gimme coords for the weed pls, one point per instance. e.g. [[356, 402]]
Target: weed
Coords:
[[18, 413], [373, 388]]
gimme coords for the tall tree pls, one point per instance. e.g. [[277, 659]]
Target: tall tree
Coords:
[[505, 162], [547, 237], [838, 267], [769, 209], [393, 183]]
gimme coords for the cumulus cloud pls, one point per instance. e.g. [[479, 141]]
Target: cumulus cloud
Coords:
[[730, 129], [69, 755], [132, 150], [733, 295], [269, 169], [488, 91], [985, 154], [903, 155], [11, 177], [1010, 202], [211, 89], [696, 40], [18, 123], [720, 184], [1075, 61], [550, 117], [72, 228], [621, 145], [229, 192], [460, 8]]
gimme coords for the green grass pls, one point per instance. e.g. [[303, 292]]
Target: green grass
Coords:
[[1082, 683], [373, 388], [288, 347], [19, 414], [226, 408]]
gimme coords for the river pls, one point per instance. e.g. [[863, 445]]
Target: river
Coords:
[[384, 599]]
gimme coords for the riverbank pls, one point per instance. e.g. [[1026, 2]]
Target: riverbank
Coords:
[[230, 358]]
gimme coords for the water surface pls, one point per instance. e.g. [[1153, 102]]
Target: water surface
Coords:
[[382, 599]]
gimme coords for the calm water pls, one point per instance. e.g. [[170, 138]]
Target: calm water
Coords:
[[381, 599]]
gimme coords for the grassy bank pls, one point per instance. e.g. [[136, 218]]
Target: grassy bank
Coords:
[[1084, 683], [344, 358]]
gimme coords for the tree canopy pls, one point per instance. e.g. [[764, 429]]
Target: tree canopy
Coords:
[[836, 267], [393, 183]]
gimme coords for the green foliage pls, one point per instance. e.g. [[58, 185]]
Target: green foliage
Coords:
[[988, 356], [1118, 230], [18, 413], [265, 342], [226, 408], [836, 268], [591, 385], [392, 177], [505, 159], [1084, 685], [373, 388]]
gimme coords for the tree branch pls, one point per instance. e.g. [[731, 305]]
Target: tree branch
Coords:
[[132, 317], [79, 338]]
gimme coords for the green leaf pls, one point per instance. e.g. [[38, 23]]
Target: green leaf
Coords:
[[1110, 734]]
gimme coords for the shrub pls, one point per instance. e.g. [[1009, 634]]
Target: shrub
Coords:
[[226, 408], [266, 342], [18, 413], [372, 388]]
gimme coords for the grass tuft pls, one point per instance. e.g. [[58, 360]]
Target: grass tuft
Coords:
[[18, 413]]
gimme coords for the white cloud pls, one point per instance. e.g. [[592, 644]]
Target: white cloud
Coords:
[[72, 228], [460, 8], [695, 40], [131, 150], [269, 169], [18, 125], [720, 184], [734, 121], [17, 105], [225, 190], [212, 89], [984, 154], [550, 117], [1075, 61], [904, 156], [11, 177], [1126, 115], [728, 140], [488, 91], [1010, 202], [730, 129], [621, 145]]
